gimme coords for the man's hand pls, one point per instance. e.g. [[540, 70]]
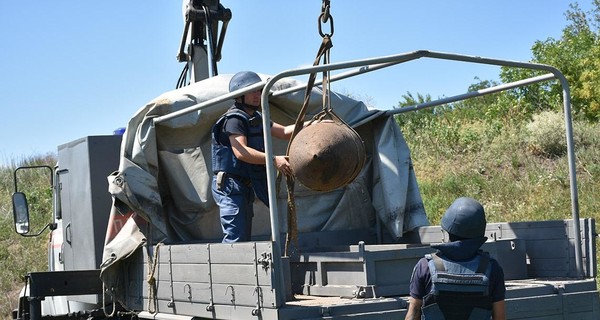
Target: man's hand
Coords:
[[283, 165], [414, 309]]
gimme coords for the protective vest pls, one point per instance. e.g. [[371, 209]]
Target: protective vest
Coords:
[[459, 290], [223, 158]]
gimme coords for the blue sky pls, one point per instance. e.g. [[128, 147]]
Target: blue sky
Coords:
[[77, 68]]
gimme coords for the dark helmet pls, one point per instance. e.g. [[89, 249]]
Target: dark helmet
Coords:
[[465, 218], [243, 79]]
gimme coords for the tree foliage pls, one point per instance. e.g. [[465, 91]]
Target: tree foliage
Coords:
[[577, 55], [418, 118]]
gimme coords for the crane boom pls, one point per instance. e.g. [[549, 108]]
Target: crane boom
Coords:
[[202, 39]]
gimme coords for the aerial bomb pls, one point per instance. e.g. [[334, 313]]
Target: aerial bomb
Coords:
[[327, 155]]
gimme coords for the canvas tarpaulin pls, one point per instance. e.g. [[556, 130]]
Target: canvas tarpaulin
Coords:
[[161, 191]]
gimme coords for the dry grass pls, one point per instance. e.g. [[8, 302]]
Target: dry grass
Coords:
[[468, 159]]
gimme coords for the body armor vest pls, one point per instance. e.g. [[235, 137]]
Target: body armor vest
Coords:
[[223, 158], [460, 289]]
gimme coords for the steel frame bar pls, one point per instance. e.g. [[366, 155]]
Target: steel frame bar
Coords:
[[372, 64]]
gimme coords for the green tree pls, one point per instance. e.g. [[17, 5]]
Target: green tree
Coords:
[[576, 54], [416, 119], [478, 108], [589, 85]]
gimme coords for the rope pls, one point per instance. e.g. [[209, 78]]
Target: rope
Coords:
[[104, 306], [322, 53], [152, 263]]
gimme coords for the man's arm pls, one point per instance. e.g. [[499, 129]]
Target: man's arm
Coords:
[[414, 309], [499, 310], [282, 132], [243, 152]]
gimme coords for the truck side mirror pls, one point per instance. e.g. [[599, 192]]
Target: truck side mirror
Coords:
[[20, 213]]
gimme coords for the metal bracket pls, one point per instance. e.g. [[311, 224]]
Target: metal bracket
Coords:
[[361, 292], [171, 303], [211, 306], [189, 291], [266, 259], [232, 294], [560, 289], [259, 301]]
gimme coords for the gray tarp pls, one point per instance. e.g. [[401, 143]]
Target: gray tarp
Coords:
[[165, 173]]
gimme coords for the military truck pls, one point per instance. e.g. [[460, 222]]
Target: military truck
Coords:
[[136, 232]]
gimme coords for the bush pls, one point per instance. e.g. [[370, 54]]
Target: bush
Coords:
[[546, 135]]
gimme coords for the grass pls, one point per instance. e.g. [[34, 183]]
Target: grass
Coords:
[[513, 181], [19, 255], [487, 160]]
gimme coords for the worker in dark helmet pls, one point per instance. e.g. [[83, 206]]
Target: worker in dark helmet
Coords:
[[459, 281], [238, 159]]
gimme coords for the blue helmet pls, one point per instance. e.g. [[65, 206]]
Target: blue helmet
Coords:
[[243, 79], [465, 218]]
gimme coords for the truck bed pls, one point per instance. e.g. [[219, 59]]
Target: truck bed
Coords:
[[232, 281]]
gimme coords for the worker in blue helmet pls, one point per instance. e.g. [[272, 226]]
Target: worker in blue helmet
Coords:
[[459, 281], [238, 159]]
